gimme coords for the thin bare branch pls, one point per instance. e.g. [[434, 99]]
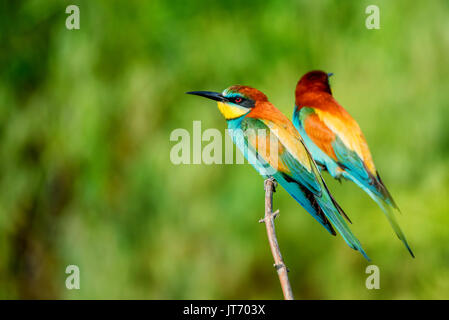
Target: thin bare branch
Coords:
[[281, 268]]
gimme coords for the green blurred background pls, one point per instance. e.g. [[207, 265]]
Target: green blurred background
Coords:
[[85, 172]]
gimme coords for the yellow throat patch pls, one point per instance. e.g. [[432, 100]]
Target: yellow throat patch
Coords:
[[231, 111]]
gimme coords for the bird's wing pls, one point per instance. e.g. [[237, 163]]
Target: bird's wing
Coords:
[[297, 173], [269, 148], [299, 161], [340, 137]]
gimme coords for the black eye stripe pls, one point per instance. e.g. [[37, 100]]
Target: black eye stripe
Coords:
[[244, 102]]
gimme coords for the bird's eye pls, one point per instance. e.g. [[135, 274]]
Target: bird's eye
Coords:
[[238, 100]]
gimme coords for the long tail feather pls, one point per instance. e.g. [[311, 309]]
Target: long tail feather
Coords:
[[387, 208], [324, 210], [339, 223]]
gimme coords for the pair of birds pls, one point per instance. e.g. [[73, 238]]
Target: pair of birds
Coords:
[[323, 136]]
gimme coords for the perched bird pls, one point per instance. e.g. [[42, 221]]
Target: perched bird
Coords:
[[252, 119], [336, 142]]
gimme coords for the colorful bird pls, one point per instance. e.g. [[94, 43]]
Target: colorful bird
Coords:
[[252, 119], [336, 142]]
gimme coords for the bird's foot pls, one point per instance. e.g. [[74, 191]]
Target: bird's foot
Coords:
[[273, 183]]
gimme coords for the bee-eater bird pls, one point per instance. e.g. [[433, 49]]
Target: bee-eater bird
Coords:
[[336, 142], [248, 114]]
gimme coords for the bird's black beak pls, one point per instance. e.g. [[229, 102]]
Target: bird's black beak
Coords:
[[330, 74], [208, 94]]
